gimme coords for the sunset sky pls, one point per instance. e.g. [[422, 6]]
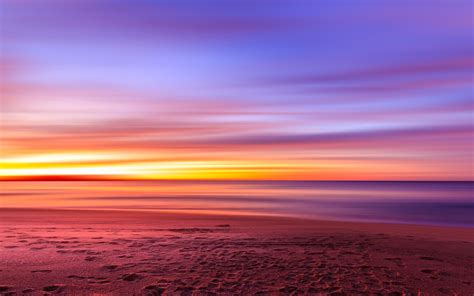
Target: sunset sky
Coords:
[[295, 90]]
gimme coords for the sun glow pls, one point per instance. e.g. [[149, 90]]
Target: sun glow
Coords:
[[106, 165], [147, 166], [91, 99]]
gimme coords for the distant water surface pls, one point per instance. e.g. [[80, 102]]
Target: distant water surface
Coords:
[[435, 203]]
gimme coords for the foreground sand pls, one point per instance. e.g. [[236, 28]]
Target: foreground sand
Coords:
[[132, 253]]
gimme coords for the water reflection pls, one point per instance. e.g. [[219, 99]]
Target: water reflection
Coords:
[[443, 203]]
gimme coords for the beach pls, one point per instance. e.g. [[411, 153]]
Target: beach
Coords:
[[236, 148], [106, 252]]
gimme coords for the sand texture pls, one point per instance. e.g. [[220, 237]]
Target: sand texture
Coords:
[[123, 253]]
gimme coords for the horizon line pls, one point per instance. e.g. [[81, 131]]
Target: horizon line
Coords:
[[83, 178]]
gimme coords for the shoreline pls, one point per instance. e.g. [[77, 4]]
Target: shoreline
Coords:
[[441, 231]]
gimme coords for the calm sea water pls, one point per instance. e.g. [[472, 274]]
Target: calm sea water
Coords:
[[436, 203]]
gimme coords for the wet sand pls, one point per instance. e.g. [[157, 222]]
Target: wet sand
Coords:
[[74, 252]]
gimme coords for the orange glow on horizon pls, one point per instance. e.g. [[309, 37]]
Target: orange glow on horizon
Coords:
[[122, 166], [211, 93]]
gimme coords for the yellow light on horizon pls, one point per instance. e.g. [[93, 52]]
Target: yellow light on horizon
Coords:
[[120, 164], [88, 164]]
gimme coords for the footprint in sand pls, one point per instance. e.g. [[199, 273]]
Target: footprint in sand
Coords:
[[110, 267], [76, 277], [99, 281], [430, 258], [90, 258], [4, 288], [125, 256], [154, 290], [131, 277], [53, 288]]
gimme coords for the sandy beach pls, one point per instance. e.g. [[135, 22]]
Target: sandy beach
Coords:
[[236, 147], [83, 252]]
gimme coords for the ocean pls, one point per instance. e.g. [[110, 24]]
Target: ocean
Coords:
[[428, 203]]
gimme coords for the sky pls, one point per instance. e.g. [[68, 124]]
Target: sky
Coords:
[[258, 90]]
